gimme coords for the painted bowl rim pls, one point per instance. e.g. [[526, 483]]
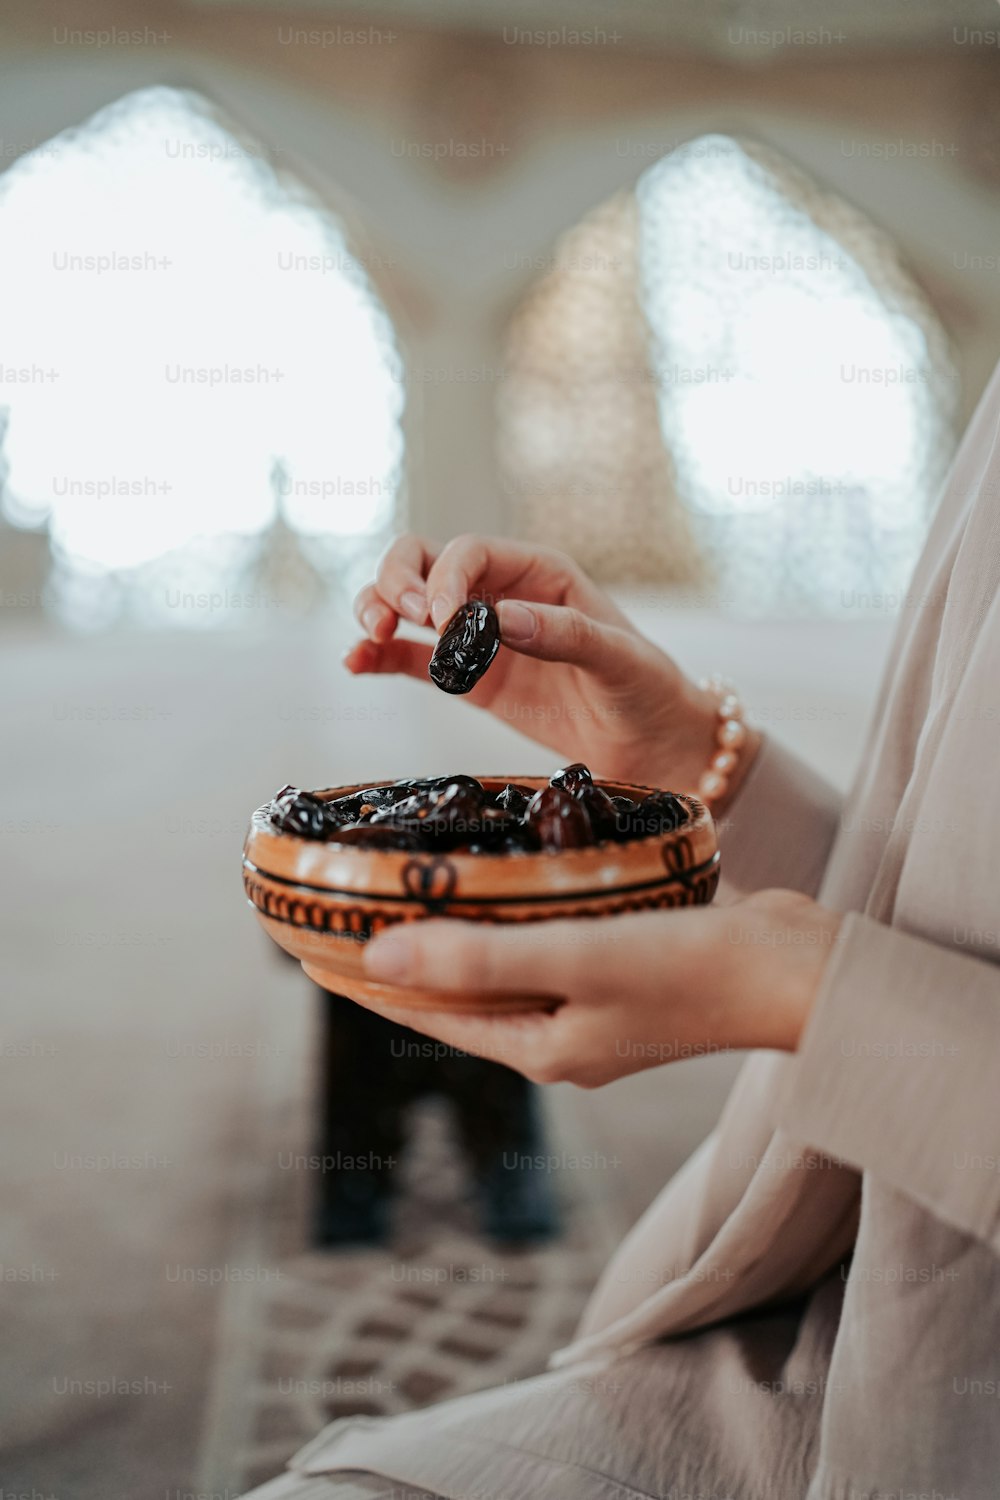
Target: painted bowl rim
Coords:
[[261, 837]]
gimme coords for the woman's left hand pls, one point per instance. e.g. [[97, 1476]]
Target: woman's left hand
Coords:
[[629, 992]]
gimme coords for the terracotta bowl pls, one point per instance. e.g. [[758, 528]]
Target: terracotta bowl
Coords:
[[323, 901]]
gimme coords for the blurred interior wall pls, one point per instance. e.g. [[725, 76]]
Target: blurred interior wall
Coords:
[[457, 158]]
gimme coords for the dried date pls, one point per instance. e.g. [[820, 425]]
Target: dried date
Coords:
[[437, 783], [376, 836], [557, 820], [295, 811], [665, 810], [467, 645], [514, 799], [441, 818], [600, 809], [443, 813], [659, 812], [358, 805], [573, 779], [497, 832]]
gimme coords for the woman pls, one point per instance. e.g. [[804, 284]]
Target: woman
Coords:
[[809, 1310]]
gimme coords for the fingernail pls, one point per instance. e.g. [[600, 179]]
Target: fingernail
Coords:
[[518, 623], [441, 610], [370, 619], [414, 606], [389, 959], [360, 657]]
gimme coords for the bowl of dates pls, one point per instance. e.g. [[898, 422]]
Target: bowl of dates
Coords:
[[325, 871]]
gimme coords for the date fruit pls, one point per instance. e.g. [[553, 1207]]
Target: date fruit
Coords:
[[436, 814], [663, 811], [376, 836], [555, 819], [440, 817], [359, 805], [497, 832], [600, 810], [294, 811], [514, 799], [573, 779], [659, 812], [467, 645]]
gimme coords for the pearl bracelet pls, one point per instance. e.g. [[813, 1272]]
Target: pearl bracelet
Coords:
[[730, 737]]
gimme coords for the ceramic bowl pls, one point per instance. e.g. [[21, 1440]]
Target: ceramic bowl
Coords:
[[323, 901]]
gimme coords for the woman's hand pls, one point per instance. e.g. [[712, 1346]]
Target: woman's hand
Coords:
[[629, 992], [577, 676]]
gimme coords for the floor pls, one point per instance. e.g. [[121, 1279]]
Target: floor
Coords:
[[156, 1059]]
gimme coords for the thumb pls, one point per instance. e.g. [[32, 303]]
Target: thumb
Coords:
[[556, 632]]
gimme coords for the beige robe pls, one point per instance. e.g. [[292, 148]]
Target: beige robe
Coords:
[[831, 1251]]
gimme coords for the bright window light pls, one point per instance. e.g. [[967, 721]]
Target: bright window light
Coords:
[[190, 353], [808, 418]]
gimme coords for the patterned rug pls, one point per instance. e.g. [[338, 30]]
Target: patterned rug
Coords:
[[437, 1314]]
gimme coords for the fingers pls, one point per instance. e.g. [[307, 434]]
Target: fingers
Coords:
[[400, 577], [375, 617], [473, 958], [456, 574], [426, 584], [640, 977], [576, 959], [396, 655], [521, 1040], [555, 632], [561, 959], [399, 588], [492, 567]]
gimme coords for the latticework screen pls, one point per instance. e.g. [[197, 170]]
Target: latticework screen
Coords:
[[728, 379]]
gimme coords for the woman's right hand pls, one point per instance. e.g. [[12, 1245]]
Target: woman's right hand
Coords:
[[576, 675]]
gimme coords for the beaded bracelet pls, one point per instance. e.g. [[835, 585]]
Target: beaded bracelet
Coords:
[[730, 736]]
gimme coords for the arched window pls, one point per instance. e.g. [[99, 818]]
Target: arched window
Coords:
[[202, 394], [727, 380]]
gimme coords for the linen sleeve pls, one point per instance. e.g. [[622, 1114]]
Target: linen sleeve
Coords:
[[780, 827], [898, 1072]]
